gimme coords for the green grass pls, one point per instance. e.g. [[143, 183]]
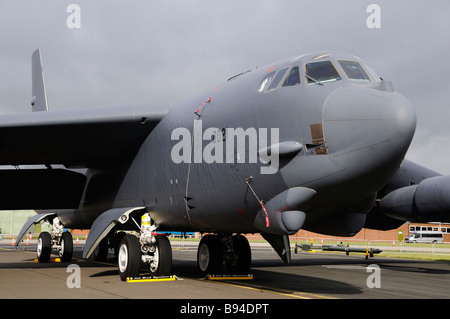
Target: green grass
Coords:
[[372, 244], [394, 254], [430, 257]]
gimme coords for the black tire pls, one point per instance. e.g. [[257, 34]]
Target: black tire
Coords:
[[129, 258], [101, 251], [163, 265], [66, 252], [44, 247], [243, 253], [115, 241], [210, 255]]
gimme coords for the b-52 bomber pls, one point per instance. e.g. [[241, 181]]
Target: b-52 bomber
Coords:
[[314, 142]]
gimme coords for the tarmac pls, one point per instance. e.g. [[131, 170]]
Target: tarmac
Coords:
[[309, 276]]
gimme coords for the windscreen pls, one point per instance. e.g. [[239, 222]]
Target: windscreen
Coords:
[[293, 78], [277, 79], [321, 72], [264, 84], [354, 70]]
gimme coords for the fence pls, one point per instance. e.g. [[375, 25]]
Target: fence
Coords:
[[257, 242]]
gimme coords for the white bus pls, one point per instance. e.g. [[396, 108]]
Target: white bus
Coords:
[[425, 237]]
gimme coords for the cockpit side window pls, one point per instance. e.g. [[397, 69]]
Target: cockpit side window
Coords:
[[354, 70], [277, 79], [293, 77], [264, 84], [321, 72]]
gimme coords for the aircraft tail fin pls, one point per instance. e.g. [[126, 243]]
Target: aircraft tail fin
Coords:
[[38, 91]]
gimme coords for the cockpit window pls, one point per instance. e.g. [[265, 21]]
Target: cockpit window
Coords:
[[277, 79], [293, 78], [354, 70], [264, 84], [273, 79], [320, 72]]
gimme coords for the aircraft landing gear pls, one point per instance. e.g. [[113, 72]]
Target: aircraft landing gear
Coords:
[[129, 258], [225, 254], [44, 247], [57, 239], [149, 248], [110, 242], [66, 247]]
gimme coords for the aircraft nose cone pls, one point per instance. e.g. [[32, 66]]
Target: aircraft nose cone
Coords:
[[368, 126]]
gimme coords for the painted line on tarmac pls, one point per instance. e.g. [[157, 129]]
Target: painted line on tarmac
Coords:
[[297, 294], [18, 249], [350, 267]]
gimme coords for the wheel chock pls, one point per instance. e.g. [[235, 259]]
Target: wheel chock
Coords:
[[152, 278], [51, 260], [229, 277]]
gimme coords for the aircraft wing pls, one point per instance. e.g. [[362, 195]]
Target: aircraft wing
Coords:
[[82, 138], [89, 137]]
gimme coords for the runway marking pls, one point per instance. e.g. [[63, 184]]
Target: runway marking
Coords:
[[297, 294], [352, 267], [25, 251], [399, 268], [385, 267]]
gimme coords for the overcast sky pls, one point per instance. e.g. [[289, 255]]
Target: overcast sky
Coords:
[[134, 51]]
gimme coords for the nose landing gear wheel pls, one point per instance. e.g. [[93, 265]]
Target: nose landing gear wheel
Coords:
[[129, 258]]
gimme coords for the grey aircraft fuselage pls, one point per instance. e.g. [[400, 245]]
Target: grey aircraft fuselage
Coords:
[[353, 137]]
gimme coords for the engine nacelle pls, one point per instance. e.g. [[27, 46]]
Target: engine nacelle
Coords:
[[428, 201], [344, 223]]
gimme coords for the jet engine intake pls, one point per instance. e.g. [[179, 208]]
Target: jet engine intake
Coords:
[[429, 201], [285, 213]]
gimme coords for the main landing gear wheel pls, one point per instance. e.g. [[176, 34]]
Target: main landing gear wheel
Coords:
[[101, 251], [58, 239], [44, 247], [161, 264], [242, 255], [229, 254], [129, 258], [209, 255], [66, 250]]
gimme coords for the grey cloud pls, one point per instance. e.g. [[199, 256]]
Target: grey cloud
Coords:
[[136, 51]]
